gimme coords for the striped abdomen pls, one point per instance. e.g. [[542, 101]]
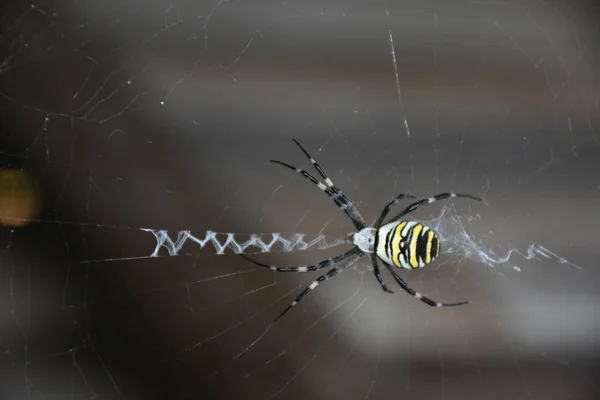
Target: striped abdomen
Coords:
[[407, 244]]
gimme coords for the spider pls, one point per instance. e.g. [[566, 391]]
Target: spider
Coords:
[[399, 243]]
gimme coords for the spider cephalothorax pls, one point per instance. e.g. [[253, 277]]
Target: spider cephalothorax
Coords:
[[398, 243]]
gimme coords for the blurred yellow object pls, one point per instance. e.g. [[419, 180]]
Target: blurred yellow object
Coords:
[[20, 198]]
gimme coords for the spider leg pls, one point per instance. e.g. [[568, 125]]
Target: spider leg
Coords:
[[340, 199], [430, 200], [418, 295], [315, 164], [389, 206], [322, 264], [378, 273], [330, 274]]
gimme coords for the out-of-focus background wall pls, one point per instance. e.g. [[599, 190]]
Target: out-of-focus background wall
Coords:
[[123, 115]]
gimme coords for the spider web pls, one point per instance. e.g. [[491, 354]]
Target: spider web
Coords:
[[144, 130]]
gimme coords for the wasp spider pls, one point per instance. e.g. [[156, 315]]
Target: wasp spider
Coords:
[[399, 243]]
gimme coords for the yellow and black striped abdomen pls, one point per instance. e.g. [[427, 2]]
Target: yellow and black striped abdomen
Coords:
[[407, 244]]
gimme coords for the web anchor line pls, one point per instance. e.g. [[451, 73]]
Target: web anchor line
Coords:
[[241, 243]]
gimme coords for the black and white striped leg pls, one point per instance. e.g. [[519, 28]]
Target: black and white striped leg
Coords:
[[418, 295], [378, 274], [338, 197], [315, 164], [389, 206], [310, 268], [330, 274], [430, 200]]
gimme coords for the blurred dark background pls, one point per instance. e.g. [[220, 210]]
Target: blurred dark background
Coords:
[[123, 115]]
